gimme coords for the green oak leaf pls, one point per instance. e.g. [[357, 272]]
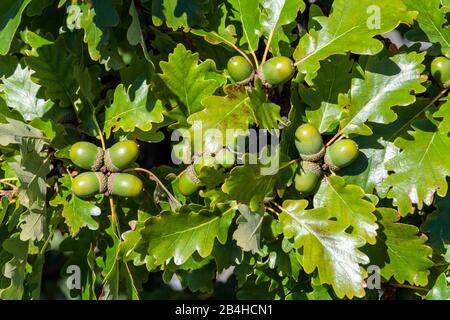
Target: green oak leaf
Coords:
[[224, 112], [32, 225], [110, 266], [408, 256], [368, 170], [127, 114], [83, 17], [266, 113], [437, 223], [78, 213], [247, 14], [251, 183], [347, 204], [351, 26], [222, 32], [333, 78], [80, 251], [421, 168], [10, 17], [432, 20], [319, 292], [106, 13], [199, 280], [179, 235], [387, 82], [35, 41], [248, 231], [326, 247], [440, 290], [53, 70], [15, 268], [14, 132], [286, 261], [21, 93], [275, 15], [189, 81], [32, 169], [135, 35], [179, 13]]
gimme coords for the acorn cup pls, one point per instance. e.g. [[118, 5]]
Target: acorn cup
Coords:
[[307, 177], [188, 182], [121, 155], [124, 185], [276, 71], [309, 142], [86, 155], [88, 184], [341, 154]]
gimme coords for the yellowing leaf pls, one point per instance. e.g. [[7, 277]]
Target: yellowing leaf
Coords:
[[326, 247]]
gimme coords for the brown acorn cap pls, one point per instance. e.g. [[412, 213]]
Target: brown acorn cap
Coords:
[[329, 162], [110, 183], [314, 157], [98, 163], [190, 172], [259, 74], [103, 182], [312, 167], [108, 163]]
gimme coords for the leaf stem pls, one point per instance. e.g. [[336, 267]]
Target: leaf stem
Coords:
[[256, 59], [337, 136], [115, 220], [9, 179], [8, 184], [44, 247], [272, 210], [266, 50], [154, 178], [407, 286]]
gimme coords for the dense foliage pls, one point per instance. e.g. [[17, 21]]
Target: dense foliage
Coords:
[[359, 208]]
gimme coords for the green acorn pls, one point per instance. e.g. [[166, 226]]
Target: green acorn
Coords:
[[124, 185], [88, 184], [86, 155], [277, 71], [308, 176], [240, 69], [188, 182], [341, 154], [121, 155], [309, 142], [205, 161], [440, 69], [225, 158]]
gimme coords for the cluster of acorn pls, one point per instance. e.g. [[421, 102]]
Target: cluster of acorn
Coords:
[[188, 181], [274, 72], [105, 177], [315, 156]]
